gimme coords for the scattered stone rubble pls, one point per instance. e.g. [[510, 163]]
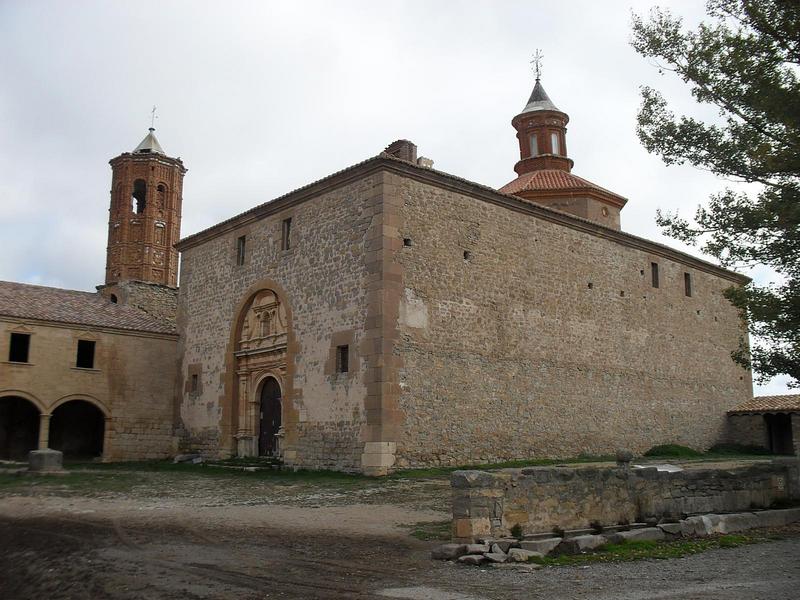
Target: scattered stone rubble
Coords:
[[488, 551]]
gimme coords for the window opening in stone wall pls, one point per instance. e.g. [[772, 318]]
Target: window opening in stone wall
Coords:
[[654, 274], [286, 234], [139, 197], [687, 284], [114, 298], [534, 145], [85, 359], [342, 359], [19, 347], [193, 388], [467, 255], [162, 195], [240, 249], [554, 143], [407, 242]]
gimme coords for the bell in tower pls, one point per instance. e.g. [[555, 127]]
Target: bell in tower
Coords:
[[545, 171], [145, 215]]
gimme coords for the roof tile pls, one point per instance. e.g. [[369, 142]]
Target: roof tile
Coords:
[[26, 301], [780, 403]]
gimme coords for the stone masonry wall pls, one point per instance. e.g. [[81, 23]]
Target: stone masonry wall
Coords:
[[522, 337], [324, 278], [540, 499], [132, 382], [747, 430]]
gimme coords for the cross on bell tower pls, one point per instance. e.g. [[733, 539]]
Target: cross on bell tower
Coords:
[[145, 214]]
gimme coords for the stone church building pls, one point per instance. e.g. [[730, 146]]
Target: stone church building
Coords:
[[391, 315]]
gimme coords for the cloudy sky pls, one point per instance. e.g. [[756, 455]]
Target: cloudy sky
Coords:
[[259, 98]]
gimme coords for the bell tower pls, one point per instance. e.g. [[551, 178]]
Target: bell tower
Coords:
[[145, 215], [544, 171]]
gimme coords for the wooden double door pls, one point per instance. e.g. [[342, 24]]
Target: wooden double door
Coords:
[[269, 417]]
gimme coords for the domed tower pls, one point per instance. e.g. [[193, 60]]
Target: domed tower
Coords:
[[145, 215], [544, 169]]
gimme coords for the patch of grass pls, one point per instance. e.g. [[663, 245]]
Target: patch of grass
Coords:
[[202, 469], [650, 550], [429, 531], [441, 472], [672, 451], [737, 450]]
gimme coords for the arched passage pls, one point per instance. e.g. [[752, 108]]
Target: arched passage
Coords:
[[270, 417], [77, 428], [19, 427]]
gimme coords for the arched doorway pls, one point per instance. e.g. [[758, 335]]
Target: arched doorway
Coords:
[[77, 428], [19, 428], [260, 355], [269, 417]]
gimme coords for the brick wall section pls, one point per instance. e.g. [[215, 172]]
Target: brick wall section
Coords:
[[541, 498], [326, 285], [132, 382], [521, 338]]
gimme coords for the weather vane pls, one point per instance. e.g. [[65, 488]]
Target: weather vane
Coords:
[[537, 63], [153, 117]]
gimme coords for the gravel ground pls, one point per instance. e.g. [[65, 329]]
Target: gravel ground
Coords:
[[155, 535]]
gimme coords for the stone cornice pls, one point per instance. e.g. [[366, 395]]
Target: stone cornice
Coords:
[[462, 186], [84, 327]]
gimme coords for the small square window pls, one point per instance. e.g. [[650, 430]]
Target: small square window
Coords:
[[240, 250], [286, 234], [342, 359], [85, 359], [19, 347], [654, 274], [687, 284]]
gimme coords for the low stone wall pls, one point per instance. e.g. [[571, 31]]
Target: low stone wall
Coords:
[[540, 499]]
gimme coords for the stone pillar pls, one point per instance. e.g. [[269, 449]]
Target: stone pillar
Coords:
[[44, 431], [108, 435]]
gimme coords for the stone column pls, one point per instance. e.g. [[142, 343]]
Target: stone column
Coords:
[[44, 431], [108, 431]]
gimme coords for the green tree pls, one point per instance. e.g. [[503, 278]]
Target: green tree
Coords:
[[746, 62]]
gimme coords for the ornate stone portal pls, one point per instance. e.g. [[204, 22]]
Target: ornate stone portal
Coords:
[[260, 354]]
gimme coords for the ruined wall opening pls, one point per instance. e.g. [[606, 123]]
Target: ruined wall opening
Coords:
[[139, 196], [77, 428], [779, 433], [19, 428]]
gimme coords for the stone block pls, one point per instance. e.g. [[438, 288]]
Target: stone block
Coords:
[[505, 544], [778, 518], [496, 557], [45, 461], [670, 528], [448, 551], [647, 533], [521, 555], [580, 543], [544, 546], [699, 526], [477, 548], [472, 559], [737, 522]]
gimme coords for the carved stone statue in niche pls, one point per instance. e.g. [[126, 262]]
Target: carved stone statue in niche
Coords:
[[264, 324]]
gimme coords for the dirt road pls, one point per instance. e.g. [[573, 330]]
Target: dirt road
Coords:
[[172, 537]]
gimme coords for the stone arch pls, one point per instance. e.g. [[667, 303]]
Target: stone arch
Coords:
[[237, 425], [29, 397], [20, 422], [86, 398], [78, 427]]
